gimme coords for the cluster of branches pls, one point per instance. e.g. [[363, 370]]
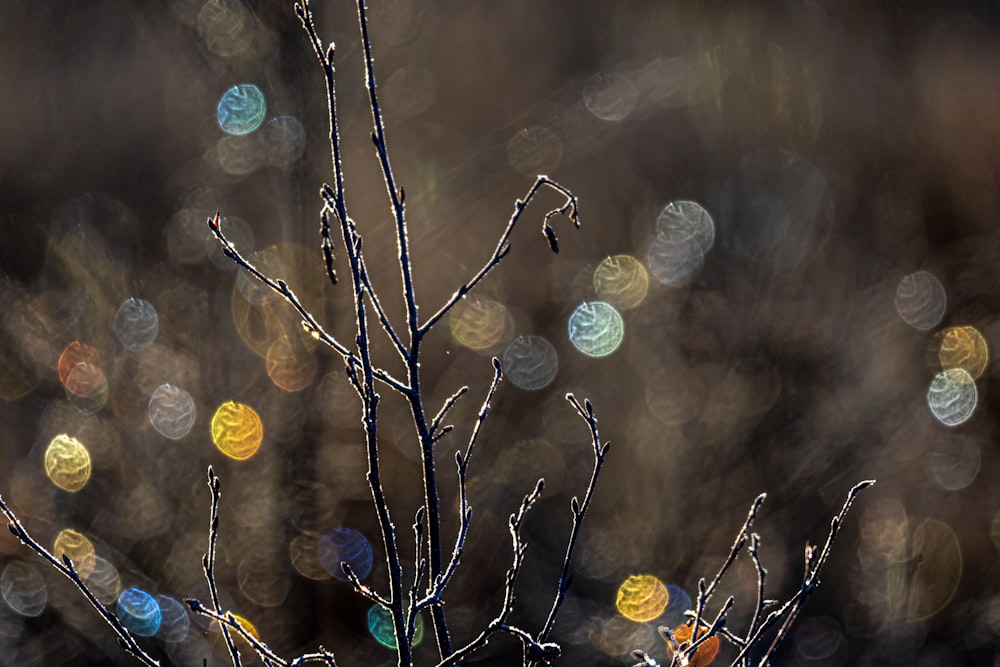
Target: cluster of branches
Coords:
[[410, 593], [437, 561], [767, 613]]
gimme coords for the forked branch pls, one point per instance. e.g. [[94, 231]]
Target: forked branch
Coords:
[[787, 613]]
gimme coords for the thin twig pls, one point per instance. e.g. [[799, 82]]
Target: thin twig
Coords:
[[309, 323], [443, 412], [464, 510], [813, 567], [569, 208], [586, 412], [67, 568], [499, 623], [208, 561], [227, 620], [705, 591], [330, 199]]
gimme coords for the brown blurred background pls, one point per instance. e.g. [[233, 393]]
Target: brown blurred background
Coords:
[[837, 146]]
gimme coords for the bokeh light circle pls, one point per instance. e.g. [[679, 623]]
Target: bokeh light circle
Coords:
[[622, 281], [284, 140], [965, 348], [139, 612], [380, 626], [268, 261], [73, 354], [237, 430], [478, 324], [67, 463], [675, 262], [642, 598], [241, 109], [921, 300], [706, 652], [171, 411], [290, 365], [261, 580], [818, 637], [682, 220], [952, 396], [79, 368], [104, 581], [530, 362], [136, 324], [304, 554], [23, 589], [80, 550], [345, 545], [679, 603], [937, 569], [611, 97], [174, 619], [953, 463], [596, 328]]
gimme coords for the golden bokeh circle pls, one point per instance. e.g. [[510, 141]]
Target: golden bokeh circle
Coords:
[[622, 281], [642, 598], [479, 324], [80, 550], [965, 348], [290, 365], [67, 463], [237, 430]]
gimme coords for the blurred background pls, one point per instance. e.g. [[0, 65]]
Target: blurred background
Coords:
[[786, 281]]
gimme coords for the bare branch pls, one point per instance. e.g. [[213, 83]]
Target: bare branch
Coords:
[[586, 411], [66, 567], [569, 208], [208, 561]]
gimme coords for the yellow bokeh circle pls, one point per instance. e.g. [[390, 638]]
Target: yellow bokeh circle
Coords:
[[67, 463], [622, 281], [642, 598], [479, 324], [237, 430], [965, 348], [80, 550]]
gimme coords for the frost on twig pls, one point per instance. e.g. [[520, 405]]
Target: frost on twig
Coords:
[[766, 613]]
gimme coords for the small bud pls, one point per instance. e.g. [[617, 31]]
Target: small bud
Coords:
[[550, 237]]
